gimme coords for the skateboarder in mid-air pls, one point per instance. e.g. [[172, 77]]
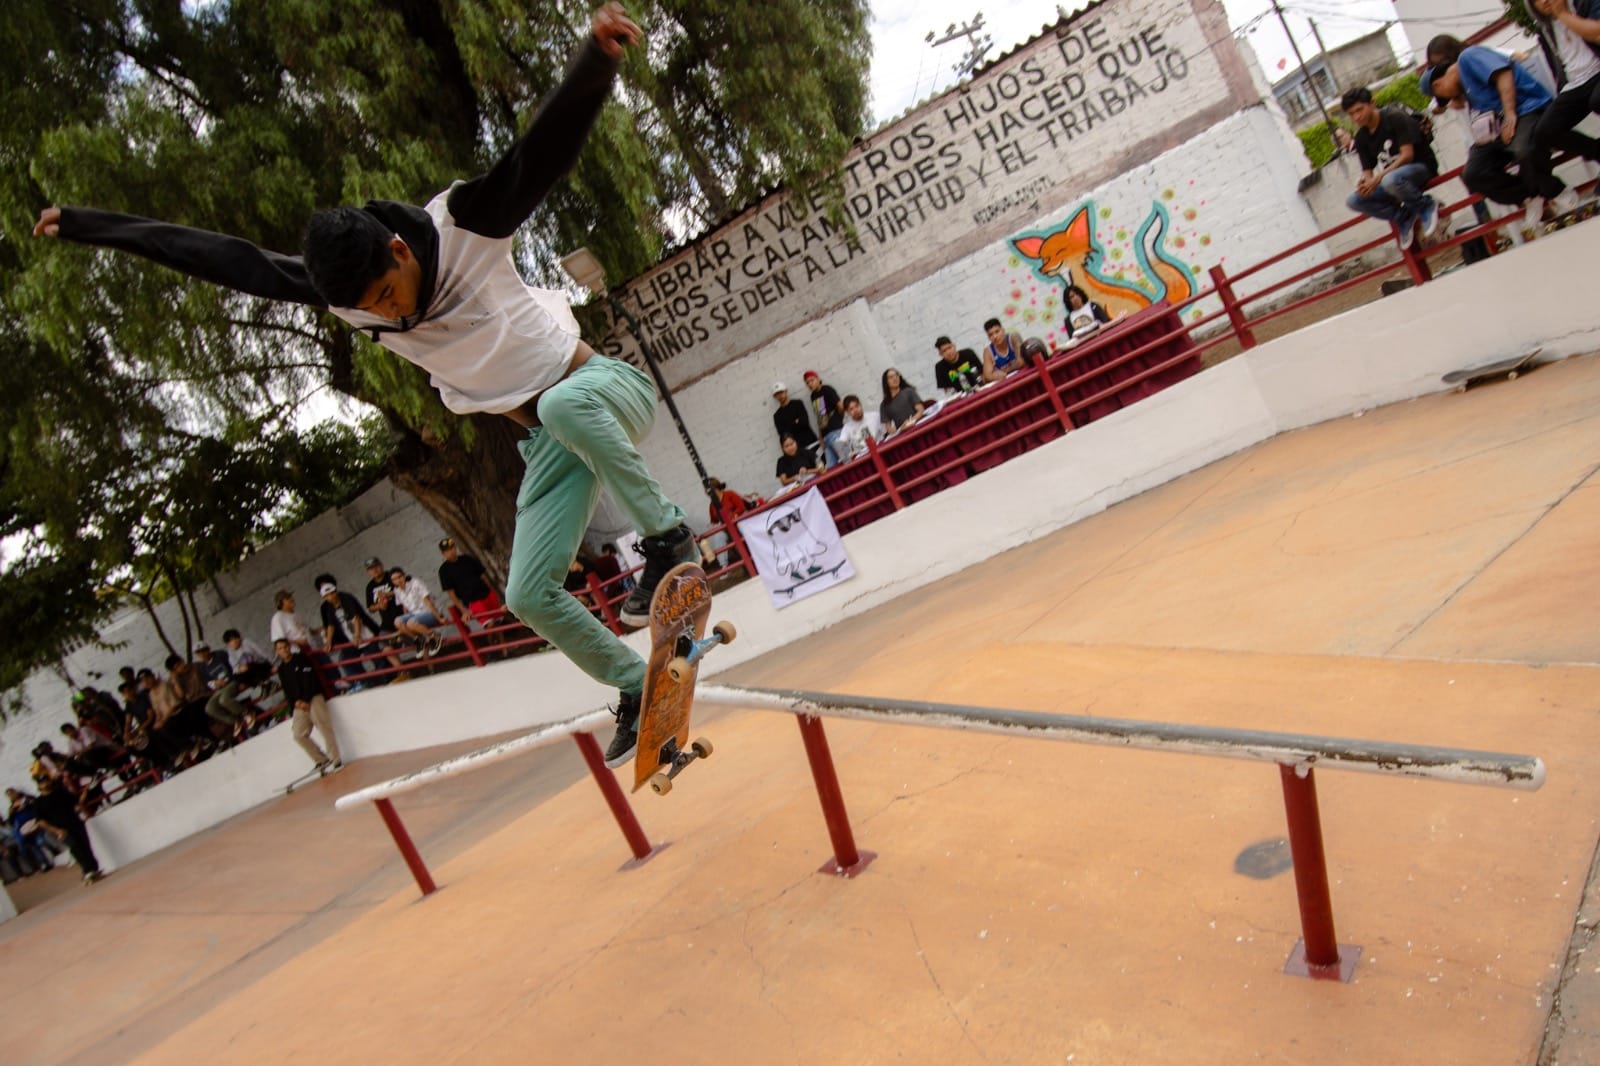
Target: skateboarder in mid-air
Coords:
[[436, 285]]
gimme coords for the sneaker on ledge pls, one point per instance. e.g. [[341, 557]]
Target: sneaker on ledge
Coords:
[[1565, 203], [1430, 217]]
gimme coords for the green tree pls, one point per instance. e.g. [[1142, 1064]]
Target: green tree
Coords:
[[243, 118]]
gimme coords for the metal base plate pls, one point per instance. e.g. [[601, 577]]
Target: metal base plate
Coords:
[[1344, 970], [655, 849], [863, 860]]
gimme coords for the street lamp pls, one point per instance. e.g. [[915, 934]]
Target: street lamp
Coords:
[[587, 273]]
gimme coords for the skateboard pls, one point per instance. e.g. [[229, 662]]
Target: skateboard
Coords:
[[678, 613], [1583, 211], [1467, 377], [314, 774]]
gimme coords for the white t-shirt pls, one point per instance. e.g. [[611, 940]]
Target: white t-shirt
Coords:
[[286, 625], [1576, 55], [853, 435], [414, 597]]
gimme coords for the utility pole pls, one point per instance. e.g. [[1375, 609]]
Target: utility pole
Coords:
[[1304, 73], [978, 46]]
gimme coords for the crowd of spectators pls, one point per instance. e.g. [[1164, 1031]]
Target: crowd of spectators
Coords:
[[159, 723], [831, 430], [1518, 111]]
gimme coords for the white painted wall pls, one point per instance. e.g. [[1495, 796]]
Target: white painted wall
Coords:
[[1393, 350], [1230, 194]]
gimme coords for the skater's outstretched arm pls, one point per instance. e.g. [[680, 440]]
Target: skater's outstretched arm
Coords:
[[494, 204], [232, 262]]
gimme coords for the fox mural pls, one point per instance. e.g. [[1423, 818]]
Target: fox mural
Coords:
[[1072, 255]]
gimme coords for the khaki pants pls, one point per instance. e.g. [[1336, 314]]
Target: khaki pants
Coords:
[[303, 720]]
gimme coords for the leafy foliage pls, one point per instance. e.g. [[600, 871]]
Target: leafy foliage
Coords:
[[153, 428]]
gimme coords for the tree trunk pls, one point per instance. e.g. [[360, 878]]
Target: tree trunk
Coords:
[[472, 493]]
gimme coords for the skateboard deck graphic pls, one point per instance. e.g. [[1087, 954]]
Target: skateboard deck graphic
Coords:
[[678, 613], [1467, 377]]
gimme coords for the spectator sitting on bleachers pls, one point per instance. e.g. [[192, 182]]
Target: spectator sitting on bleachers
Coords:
[[1495, 83], [794, 467], [956, 370], [463, 578], [303, 692], [1003, 354], [1569, 33], [344, 627], [92, 750], [858, 427], [222, 701], [248, 662], [1084, 316], [419, 613], [95, 708], [730, 503], [287, 624], [901, 405], [1397, 163], [190, 723]]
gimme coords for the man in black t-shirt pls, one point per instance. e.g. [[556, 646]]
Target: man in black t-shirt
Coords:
[[790, 420], [956, 370], [1397, 163], [830, 416], [466, 582], [380, 596]]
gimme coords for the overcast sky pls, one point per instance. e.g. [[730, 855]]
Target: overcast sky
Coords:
[[906, 69]]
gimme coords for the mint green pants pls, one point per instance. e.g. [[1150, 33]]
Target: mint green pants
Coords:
[[591, 421]]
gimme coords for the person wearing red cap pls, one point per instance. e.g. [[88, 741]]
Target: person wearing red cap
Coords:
[[830, 417]]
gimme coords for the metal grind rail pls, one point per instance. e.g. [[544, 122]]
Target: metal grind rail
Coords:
[[1318, 954], [579, 729]]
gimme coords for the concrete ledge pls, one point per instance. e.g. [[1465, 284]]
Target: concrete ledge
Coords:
[[1393, 350]]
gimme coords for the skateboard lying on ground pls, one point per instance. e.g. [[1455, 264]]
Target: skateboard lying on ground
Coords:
[[678, 613], [1467, 377], [1583, 211]]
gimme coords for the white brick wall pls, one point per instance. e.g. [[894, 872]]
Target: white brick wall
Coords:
[[1236, 179]]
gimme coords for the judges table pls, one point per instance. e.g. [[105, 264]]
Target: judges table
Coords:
[[972, 433]]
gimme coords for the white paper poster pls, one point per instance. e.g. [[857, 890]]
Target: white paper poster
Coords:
[[796, 547]]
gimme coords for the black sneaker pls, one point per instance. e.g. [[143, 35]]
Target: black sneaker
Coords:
[[627, 738], [661, 553]]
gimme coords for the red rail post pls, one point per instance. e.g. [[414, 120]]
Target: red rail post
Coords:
[[408, 850], [466, 635], [1421, 273], [1319, 954], [1054, 396], [620, 809], [602, 600], [1230, 304], [883, 475], [847, 861], [734, 535]]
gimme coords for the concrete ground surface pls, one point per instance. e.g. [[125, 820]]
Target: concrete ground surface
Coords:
[[1423, 573]]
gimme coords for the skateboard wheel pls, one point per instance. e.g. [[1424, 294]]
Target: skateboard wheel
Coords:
[[1511, 376], [702, 747], [660, 784], [680, 669], [726, 631]]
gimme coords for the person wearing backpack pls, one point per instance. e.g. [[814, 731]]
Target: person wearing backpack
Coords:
[[1397, 163]]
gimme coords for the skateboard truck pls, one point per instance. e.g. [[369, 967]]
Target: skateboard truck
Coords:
[[691, 650]]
